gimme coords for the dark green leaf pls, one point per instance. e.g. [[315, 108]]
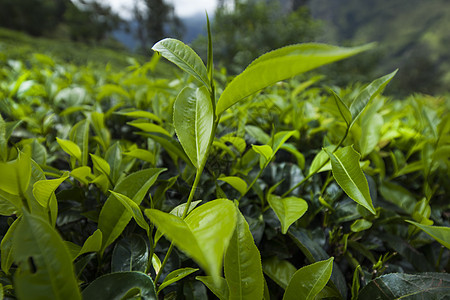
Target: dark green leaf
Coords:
[[130, 254], [280, 271]]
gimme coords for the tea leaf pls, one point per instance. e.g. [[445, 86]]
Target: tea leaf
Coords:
[[133, 209], [343, 109], [70, 148], [279, 65], [193, 119], [238, 183], [348, 174], [399, 285], [175, 276], [280, 271], [7, 257], [203, 235], [288, 210], [114, 217], [15, 175], [439, 233], [307, 282], [184, 57], [242, 264], [142, 154], [44, 189], [45, 265], [118, 285], [130, 254], [218, 287], [92, 244]]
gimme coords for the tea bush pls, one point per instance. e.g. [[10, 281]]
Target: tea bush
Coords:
[[129, 184]]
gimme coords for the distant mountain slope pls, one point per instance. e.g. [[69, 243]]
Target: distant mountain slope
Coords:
[[413, 35]]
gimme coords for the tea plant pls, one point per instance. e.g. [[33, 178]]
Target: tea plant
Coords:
[[126, 185]]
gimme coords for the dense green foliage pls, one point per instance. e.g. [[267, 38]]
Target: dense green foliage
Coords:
[[189, 185]]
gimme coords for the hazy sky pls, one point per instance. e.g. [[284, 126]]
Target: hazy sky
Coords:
[[183, 8]]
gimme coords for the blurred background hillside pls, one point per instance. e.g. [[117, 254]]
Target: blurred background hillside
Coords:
[[412, 35]]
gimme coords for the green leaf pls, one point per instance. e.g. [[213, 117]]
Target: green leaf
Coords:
[[44, 189], [279, 139], [343, 109], [439, 233], [100, 164], [242, 264], [218, 287], [175, 276], [45, 265], [114, 217], [92, 243], [130, 254], [348, 174], [140, 114], [149, 127], [280, 271], [238, 183], [319, 161], [120, 285], [407, 286], [360, 225], [156, 263], [398, 195], [82, 174], [70, 148], [171, 146], [142, 154], [366, 96], [204, 235], [15, 175], [265, 153], [307, 282], [79, 134], [184, 57], [370, 133], [288, 210], [193, 118], [278, 65], [6, 249], [133, 209]]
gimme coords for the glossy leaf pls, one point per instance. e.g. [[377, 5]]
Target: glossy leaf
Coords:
[[370, 133], [44, 189], [150, 127], [280, 271], [439, 233], [51, 274], [184, 57], [342, 108], [203, 235], [242, 264], [348, 174], [307, 282], [114, 217], [70, 148], [408, 286], [79, 134], [288, 210], [236, 182], [218, 287], [140, 114], [100, 164], [142, 154], [279, 65], [360, 225], [320, 160], [172, 146], [6, 249], [15, 175], [193, 118], [130, 254], [92, 243], [175, 276], [133, 209], [120, 284], [82, 174], [366, 96]]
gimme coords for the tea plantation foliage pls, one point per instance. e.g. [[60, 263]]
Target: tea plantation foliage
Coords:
[[127, 184]]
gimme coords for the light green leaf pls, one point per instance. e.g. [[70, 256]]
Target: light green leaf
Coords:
[[242, 264], [142, 154], [92, 243], [288, 210], [370, 133], [172, 146], [70, 148], [366, 96], [114, 217], [175, 276], [82, 174], [193, 119], [348, 174], [360, 225], [279, 139], [79, 134], [280, 271], [44, 189], [307, 282], [15, 175], [133, 209], [184, 57], [119, 285], [100, 164], [265, 153], [278, 65], [343, 109], [203, 235], [156, 263], [439, 233], [130, 254], [51, 274], [218, 287], [149, 127], [320, 160], [238, 183], [6, 249], [140, 114]]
